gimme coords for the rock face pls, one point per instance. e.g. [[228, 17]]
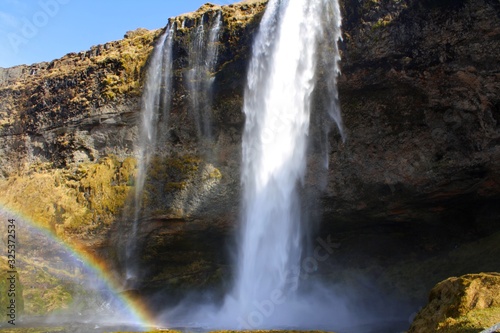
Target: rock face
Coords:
[[470, 303], [420, 100], [74, 109], [416, 181]]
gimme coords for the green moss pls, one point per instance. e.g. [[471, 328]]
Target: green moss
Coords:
[[34, 330], [381, 23], [44, 292], [110, 95], [184, 164], [5, 298], [105, 186], [45, 301], [470, 303], [127, 171], [175, 186], [167, 176], [215, 174], [367, 5], [175, 170], [111, 80], [473, 322]]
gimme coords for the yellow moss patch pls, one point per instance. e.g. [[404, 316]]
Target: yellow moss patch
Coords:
[[175, 186], [38, 196], [131, 55], [5, 298], [215, 174], [168, 175], [466, 304], [34, 330], [176, 169], [77, 200], [474, 321], [235, 15]]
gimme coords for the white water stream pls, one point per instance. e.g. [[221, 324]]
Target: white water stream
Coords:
[[281, 80], [202, 60], [155, 104]]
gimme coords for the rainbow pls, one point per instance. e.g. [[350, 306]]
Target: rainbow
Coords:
[[137, 312]]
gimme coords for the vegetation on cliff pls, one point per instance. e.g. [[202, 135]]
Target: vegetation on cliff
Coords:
[[8, 294], [80, 200], [466, 304]]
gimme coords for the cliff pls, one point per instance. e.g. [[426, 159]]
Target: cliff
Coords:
[[415, 183]]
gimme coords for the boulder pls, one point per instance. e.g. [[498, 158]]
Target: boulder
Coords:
[[466, 304]]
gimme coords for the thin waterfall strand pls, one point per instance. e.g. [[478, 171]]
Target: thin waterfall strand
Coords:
[[213, 47], [155, 96], [202, 60], [195, 81], [331, 34]]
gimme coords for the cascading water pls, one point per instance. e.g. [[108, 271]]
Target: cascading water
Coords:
[[295, 38], [212, 47], [295, 52], [202, 60], [156, 101], [155, 106], [281, 80], [330, 57]]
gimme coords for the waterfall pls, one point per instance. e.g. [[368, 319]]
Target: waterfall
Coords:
[[212, 47], [156, 101], [330, 56], [294, 52], [202, 61], [155, 107], [281, 80]]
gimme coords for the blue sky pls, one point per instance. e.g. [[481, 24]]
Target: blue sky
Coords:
[[42, 30]]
